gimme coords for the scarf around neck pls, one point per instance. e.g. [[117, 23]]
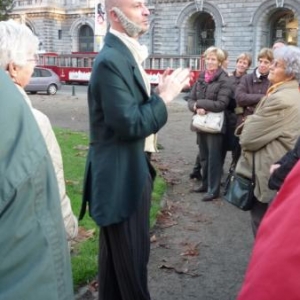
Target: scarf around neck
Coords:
[[208, 77], [139, 52], [274, 87]]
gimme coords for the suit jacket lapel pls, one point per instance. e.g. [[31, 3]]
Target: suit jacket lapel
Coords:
[[139, 78], [113, 41]]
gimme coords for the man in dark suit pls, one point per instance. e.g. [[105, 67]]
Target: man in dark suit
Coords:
[[118, 181]]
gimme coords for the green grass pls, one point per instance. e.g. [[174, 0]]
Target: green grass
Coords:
[[159, 189], [74, 149]]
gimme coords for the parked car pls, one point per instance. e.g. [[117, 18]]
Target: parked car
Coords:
[[43, 80]]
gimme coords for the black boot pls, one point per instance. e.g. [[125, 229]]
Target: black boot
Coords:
[[196, 174]]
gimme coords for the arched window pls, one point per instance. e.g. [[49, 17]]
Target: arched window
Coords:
[[86, 39], [284, 26], [205, 32]]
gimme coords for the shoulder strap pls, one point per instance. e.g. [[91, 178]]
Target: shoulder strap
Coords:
[[253, 167]]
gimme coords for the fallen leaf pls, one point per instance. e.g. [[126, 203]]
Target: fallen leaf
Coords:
[[191, 228], [192, 250], [93, 286], [163, 167], [84, 234], [81, 154], [165, 220], [153, 239], [164, 245], [71, 182], [81, 147], [179, 269]]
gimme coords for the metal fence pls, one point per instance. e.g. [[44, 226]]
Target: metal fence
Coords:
[[161, 62]]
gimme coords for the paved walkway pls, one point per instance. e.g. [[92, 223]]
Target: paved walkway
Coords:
[[204, 254]]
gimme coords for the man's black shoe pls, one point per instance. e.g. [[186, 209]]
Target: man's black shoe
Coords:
[[209, 197]]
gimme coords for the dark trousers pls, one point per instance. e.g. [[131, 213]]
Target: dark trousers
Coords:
[[124, 255], [211, 158], [236, 152], [257, 213]]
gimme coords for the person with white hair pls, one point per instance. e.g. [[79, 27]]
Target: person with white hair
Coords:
[[35, 259], [273, 270], [18, 57], [273, 129]]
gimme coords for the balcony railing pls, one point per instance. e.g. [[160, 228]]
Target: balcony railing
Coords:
[[54, 3], [195, 62], [35, 3]]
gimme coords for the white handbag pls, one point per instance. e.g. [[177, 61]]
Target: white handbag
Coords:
[[211, 122]]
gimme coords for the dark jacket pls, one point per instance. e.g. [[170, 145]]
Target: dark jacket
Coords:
[[287, 162], [213, 96], [35, 260], [230, 140], [121, 115], [234, 81], [248, 93]]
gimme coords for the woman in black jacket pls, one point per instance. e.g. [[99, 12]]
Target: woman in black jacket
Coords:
[[231, 142], [211, 93]]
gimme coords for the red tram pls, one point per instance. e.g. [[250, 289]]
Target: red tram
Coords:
[[76, 67]]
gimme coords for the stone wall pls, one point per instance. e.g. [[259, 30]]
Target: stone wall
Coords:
[[240, 26]]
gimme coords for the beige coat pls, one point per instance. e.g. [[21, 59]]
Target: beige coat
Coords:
[[270, 132], [70, 221]]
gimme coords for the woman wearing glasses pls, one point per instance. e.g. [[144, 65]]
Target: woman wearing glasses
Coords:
[[273, 128], [36, 262]]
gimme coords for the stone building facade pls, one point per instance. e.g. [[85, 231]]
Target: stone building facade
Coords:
[[177, 27]]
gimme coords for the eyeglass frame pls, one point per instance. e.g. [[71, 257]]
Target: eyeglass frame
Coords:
[[35, 59], [275, 63]]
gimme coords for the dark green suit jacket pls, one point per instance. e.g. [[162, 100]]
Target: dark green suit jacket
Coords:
[[122, 115]]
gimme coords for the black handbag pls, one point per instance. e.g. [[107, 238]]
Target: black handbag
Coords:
[[239, 191]]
